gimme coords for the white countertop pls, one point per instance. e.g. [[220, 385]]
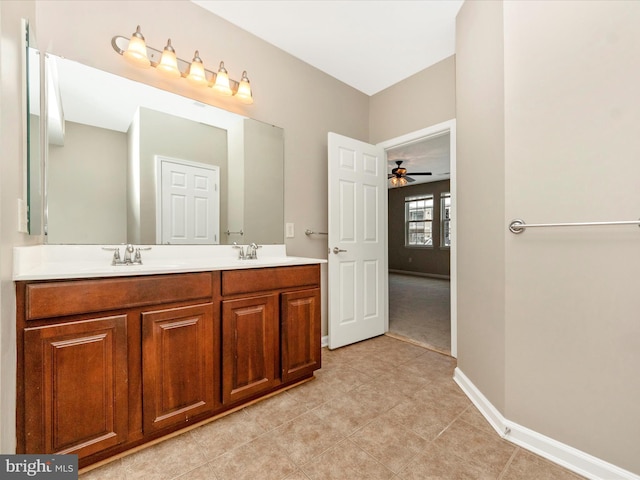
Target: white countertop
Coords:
[[48, 262]]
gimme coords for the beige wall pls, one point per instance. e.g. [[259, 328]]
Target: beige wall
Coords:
[[547, 131], [572, 119], [263, 149], [422, 100], [92, 210], [480, 197]]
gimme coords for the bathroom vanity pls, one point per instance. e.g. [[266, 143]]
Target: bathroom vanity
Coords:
[[112, 360]]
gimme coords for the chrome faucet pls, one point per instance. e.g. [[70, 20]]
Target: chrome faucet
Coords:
[[127, 254], [129, 250]]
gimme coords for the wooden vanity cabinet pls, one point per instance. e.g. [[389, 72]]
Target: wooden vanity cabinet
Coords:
[[180, 377], [90, 351], [250, 347], [109, 364], [76, 396], [270, 329], [301, 333]]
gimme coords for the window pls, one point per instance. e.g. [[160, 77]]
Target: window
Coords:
[[445, 218], [418, 220]]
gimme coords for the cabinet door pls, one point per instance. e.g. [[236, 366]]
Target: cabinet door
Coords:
[[250, 346], [300, 333], [76, 386], [179, 374]]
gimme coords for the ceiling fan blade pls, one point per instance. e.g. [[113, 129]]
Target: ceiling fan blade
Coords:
[[409, 179], [390, 176], [420, 173]]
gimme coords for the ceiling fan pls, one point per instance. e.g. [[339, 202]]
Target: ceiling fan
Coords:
[[399, 175]]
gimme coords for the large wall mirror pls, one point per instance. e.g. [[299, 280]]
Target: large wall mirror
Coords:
[[129, 163], [34, 195]]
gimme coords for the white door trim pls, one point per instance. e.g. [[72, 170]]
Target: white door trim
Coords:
[[445, 127]]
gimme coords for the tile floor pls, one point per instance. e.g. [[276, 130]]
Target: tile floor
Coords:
[[379, 409]]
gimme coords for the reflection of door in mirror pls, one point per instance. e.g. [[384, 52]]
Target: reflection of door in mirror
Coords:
[[34, 160], [101, 177], [188, 206]]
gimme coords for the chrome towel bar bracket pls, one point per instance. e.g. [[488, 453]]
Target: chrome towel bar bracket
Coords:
[[519, 226]]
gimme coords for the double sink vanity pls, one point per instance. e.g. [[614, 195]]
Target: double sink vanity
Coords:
[[111, 357]]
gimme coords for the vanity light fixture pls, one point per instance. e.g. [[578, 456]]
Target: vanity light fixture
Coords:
[[137, 52]]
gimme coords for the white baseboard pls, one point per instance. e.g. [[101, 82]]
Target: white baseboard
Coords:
[[420, 274], [557, 452], [324, 341]]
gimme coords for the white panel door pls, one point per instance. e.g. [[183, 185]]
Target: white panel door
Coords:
[[189, 202], [357, 241]]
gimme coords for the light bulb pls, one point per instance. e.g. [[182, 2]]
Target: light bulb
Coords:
[[168, 63], [196, 71], [222, 82], [136, 53], [244, 90]]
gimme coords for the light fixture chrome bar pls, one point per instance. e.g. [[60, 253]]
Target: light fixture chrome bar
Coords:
[[120, 44], [519, 226], [308, 232]]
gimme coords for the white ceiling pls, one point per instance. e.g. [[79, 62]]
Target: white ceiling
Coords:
[[369, 45]]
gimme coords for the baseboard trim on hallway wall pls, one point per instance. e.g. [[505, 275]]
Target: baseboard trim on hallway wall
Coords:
[[571, 458], [420, 274], [324, 341]]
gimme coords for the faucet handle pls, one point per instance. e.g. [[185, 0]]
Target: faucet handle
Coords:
[[116, 255], [252, 251], [241, 252]]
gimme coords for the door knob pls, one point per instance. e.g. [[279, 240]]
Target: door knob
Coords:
[[337, 250]]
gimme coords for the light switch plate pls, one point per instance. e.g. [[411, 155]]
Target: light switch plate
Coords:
[[289, 230]]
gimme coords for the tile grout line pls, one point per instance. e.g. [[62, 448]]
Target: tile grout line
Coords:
[[508, 464]]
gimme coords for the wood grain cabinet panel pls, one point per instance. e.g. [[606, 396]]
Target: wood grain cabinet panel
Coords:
[[179, 368], [76, 386], [300, 333], [249, 346]]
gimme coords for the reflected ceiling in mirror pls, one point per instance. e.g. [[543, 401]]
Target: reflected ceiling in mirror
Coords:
[[105, 136]]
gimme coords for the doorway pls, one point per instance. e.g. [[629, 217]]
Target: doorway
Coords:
[[422, 303]]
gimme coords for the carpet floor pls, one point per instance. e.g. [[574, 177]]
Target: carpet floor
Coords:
[[420, 310]]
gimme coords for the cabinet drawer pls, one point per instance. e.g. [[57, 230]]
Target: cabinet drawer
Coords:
[[56, 299], [263, 279]]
